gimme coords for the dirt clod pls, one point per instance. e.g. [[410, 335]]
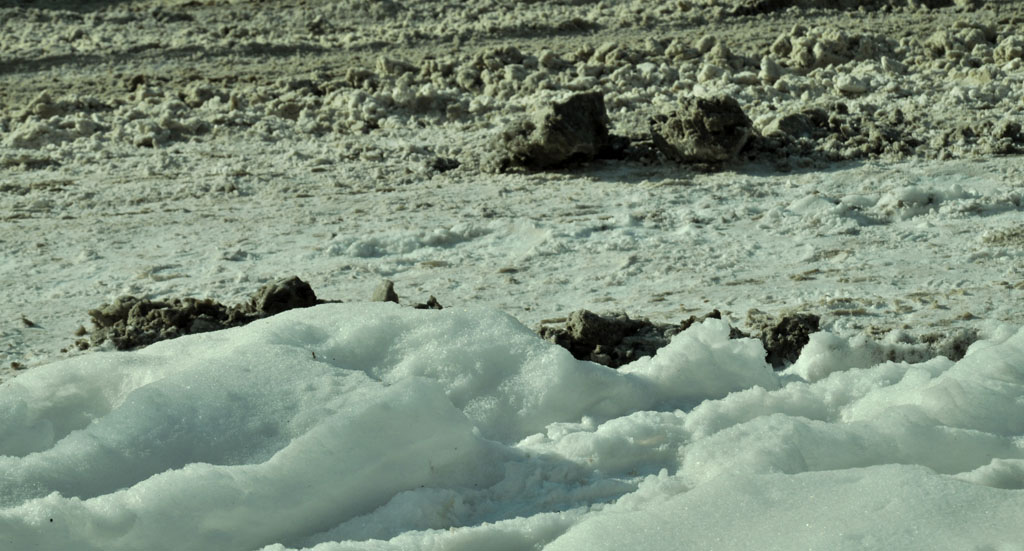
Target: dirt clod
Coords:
[[385, 292], [131, 322], [612, 340], [785, 340], [282, 295], [559, 134], [702, 130], [431, 304]]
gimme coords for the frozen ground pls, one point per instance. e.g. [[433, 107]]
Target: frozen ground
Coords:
[[168, 149]]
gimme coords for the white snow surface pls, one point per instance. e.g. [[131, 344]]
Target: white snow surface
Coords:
[[378, 426]]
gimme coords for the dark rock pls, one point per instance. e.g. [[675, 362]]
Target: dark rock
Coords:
[[833, 133], [612, 340], [591, 329], [282, 295], [702, 130], [783, 339], [951, 344], [686, 323], [443, 164], [385, 292], [132, 322], [760, 7], [562, 134], [431, 304]]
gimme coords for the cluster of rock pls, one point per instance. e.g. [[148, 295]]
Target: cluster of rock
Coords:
[[131, 322], [385, 292], [575, 130], [953, 85], [612, 340], [616, 339]]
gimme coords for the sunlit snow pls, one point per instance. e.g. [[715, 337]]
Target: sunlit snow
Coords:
[[375, 426]]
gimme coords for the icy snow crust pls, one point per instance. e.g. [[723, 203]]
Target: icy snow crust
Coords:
[[374, 426]]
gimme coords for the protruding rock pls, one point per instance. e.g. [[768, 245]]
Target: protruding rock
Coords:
[[806, 124], [893, 66], [702, 130], [770, 70], [132, 322], [385, 292], [283, 294], [559, 134], [784, 338], [851, 85], [611, 340], [431, 304]]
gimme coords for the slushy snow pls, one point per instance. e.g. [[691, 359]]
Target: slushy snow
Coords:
[[374, 426]]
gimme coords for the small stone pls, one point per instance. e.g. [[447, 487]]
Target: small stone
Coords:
[[443, 164], [851, 85], [892, 66], [431, 304], [705, 43], [770, 70], [796, 125], [385, 292], [550, 60], [746, 78], [709, 72]]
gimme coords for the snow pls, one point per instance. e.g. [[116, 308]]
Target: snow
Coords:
[[378, 426]]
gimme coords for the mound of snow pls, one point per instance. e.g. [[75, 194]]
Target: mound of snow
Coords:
[[372, 426]]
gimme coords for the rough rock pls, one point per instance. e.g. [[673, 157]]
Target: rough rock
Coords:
[[616, 339], [702, 130], [785, 337], [285, 294], [560, 134], [385, 292], [806, 124], [430, 304], [612, 340], [833, 132], [131, 322]]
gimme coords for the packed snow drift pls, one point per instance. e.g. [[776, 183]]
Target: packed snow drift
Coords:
[[376, 426]]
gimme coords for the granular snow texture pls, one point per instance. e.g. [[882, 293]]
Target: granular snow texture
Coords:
[[376, 426]]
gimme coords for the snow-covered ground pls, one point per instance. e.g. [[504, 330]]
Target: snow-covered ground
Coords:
[[909, 252], [166, 149], [377, 426]]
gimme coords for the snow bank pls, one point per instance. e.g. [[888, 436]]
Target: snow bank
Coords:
[[372, 426]]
